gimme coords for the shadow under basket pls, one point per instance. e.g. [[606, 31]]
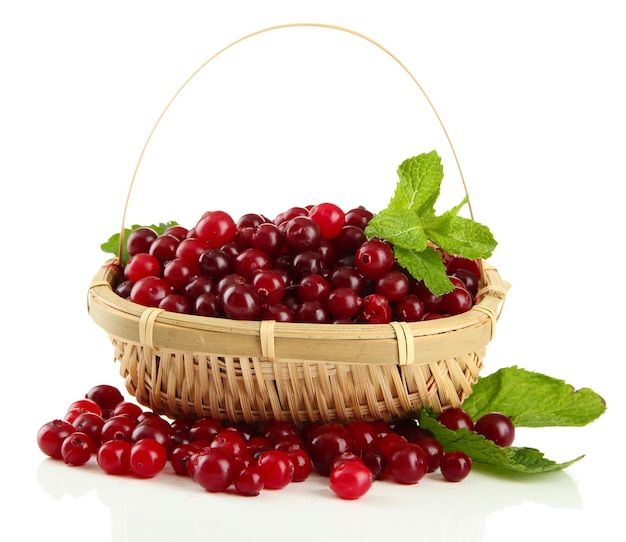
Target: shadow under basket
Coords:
[[259, 371]]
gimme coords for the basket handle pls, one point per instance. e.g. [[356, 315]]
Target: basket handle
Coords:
[[262, 31]]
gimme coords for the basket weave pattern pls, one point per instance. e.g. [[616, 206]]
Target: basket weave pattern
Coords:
[[193, 366]]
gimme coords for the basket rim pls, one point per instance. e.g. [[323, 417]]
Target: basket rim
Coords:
[[397, 343]]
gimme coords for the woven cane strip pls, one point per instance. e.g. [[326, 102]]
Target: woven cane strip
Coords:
[[172, 386], [340, 392], [203, 381], [362, 390], [351, 386], [420, 375], [272, 393], [308, 391], [249, 390], [374, 395], [322, 392], [333, 405], [193, 387], [246, 408], [403, 400], [146, 325], [297, 391], [431, 396], [282, 387], [159, 367], [141, 380], [266, 336], [459, 377], [492, 317]]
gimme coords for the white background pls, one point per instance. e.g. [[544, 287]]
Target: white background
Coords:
[[531, 94]]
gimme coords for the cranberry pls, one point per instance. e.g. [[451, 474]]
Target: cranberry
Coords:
[[91, 424], [85, 405], [326, 444], [302, 464], [113, 457], [215, 228], [351, 480], [375, 460], [329, 217], [455, 466], [278, 429], [374, 258], [230, 440], [363, 434], [147, 458], [408, 463], [456, 418], [156, 429], [205, 429], [77, 449], [128, 409], [51, 435], [433, 450], [118, 427], [179, 458], [496, 427], [107, 397], [276, 467], [214, 469], [389, 443], [249, 481]]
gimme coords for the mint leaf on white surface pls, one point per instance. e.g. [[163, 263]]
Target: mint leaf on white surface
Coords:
[[533, 399], [486, 452]]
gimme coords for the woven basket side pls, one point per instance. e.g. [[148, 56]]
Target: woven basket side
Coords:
[[247, 389]]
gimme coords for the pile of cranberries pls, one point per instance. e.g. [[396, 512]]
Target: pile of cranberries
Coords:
[[246, 459], [309, 264]]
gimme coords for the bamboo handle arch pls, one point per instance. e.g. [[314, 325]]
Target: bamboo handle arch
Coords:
[[264, 31]]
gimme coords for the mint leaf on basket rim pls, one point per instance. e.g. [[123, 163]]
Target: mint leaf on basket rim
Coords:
[[427, 266], [533, 399], [412, 226], [419, 185], [112, 244]]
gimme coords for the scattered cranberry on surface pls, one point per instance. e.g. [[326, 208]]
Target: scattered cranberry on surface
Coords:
[[248, 459]]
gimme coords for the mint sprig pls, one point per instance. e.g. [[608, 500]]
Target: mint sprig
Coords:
[[530, 399], [533, 399], [112, 244], [411, 224], [485, 452]]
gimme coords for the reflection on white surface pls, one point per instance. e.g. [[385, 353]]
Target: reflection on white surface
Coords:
[[171, 507]]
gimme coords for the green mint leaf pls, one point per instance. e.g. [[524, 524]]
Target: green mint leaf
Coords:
[[112, 244], [409, 223], [532, 399], [426, 265], [419, 184], [399, 227], [462, 236], [486, 452]]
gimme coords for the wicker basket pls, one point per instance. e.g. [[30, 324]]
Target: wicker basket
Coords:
[[258, 371]]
